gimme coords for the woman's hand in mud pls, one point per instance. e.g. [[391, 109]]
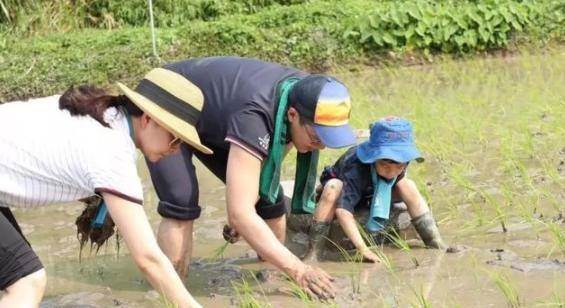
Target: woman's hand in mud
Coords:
[[316, 282], [369, 256], [230, 235]]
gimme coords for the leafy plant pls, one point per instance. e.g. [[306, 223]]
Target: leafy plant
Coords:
[[450, 26]]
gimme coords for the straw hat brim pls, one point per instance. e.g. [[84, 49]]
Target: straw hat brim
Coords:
[[175, 125]]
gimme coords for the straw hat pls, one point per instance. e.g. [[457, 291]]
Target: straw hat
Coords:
[[172, 101]]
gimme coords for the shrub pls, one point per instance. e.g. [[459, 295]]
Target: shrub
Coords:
[[451, 26]]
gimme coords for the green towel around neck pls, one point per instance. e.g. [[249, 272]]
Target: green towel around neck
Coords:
[[380, 203], [306, 163]]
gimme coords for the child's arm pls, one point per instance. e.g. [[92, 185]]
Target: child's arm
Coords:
[[349, 226]]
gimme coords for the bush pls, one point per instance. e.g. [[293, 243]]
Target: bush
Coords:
[[313, 36], [35, 16], [451, 26]]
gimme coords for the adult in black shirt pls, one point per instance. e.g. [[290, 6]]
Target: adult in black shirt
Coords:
[[237, 123]]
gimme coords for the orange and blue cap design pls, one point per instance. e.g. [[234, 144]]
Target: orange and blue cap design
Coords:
[[326, 102]]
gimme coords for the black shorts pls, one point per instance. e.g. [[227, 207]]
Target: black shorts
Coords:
[[17, 259], [365, 200], [175, 182]]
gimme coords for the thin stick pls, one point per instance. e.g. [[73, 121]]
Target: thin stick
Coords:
[[152, 25]]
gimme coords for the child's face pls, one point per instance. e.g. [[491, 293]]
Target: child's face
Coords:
[[389, 169]]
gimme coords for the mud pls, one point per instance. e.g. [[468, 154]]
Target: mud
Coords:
[[109, 279], [509, 259], [528, 254], [86, 232]]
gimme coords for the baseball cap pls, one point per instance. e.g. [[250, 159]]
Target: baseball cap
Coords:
[[325, 101], [391, 138]]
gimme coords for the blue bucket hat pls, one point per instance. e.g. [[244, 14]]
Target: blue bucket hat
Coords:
[[391, 138]]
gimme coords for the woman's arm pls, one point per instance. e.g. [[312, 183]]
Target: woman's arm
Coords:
[[134, 227], [242, 191], [349, 226]]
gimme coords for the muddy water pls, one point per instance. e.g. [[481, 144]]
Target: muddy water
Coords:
[[464, 279]]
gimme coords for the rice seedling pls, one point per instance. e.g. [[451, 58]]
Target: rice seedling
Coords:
[[401, 244], [510, 293], [376, 249], [469, 118], [501, 215], [300, 293], [344, 253], [355, 274], [219, 253], [554, 301], [558, 236], [421, 300], [166, 302], [246, 296]]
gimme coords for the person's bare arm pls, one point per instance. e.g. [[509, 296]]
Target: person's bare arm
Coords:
[[349, 226], [242, 191], [134, 227]]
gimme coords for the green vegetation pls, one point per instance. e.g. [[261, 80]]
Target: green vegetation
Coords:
[[47, 46], [421, 300], [246, 296], [558, 236], [506, 287], [450, 26], [34, 16], [219, 253], [491, 128]]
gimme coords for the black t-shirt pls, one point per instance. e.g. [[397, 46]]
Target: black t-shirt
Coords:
[[239, 99], [357, 182]]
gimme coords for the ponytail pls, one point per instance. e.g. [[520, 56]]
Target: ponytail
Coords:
[[88, 100]]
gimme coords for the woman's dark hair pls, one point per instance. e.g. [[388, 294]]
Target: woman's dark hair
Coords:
[[93, 101]]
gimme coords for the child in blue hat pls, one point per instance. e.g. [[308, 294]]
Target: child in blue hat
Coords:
[[374, 174]]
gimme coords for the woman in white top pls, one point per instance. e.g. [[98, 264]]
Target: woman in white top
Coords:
[[60, 150]]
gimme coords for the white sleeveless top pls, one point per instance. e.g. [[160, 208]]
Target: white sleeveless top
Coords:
[[48, 156]]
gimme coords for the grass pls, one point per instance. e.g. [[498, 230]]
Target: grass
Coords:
[[165, 302], [299, 293], [555, 301], [421, 300], [508, 290], [491, 130], [475, 146], [558, 236], [309, 34], [219, 253], [492, 133], [401, 244], [246, 295]]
